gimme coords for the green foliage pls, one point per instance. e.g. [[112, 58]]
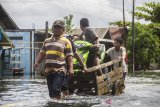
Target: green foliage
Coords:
[[155, 28], [147, 36], [149, 12], [146, 45], [68, 23], [120, 23]]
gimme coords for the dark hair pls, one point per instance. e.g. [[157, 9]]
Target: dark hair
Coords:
[[119, 40], [84, 22], [59, 23]]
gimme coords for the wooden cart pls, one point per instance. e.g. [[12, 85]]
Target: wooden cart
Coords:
[[108, 83]]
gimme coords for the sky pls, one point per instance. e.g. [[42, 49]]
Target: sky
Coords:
[[29, 13]]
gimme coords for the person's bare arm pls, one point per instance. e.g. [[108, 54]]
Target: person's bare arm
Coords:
[[96, 41], [123, 53], [70, 64], [39, 59], [76, 55]]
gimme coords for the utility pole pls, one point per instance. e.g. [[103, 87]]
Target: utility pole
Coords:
[[133, 41], [33, 51], [46, 29], [124, 24]]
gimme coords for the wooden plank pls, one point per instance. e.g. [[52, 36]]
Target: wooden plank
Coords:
[[94, 68], [115, 78], [102, 91], [120, 70], [112, 74], [102, 84], [109, 75], [105, 89], [115, 72], [101, 78], [121, 81]]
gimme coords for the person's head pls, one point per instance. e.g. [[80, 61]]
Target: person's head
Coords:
[[58, 27], [84, 22], [118, 43]]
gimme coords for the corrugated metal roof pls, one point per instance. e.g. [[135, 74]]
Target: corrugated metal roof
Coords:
[[6, 21]]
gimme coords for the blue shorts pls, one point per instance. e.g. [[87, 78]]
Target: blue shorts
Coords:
[[65, 83], [55, 83]]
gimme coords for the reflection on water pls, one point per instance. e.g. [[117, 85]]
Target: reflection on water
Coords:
[[32, 92]]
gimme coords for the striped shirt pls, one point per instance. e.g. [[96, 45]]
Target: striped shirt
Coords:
[[56, 52]]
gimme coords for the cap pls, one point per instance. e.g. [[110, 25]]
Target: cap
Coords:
[[58, 23]]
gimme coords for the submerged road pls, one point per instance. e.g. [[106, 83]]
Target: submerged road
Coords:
[[20, 92]]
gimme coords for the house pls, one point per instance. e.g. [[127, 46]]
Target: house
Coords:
[[6, 22], [5, 44], [21, 55]]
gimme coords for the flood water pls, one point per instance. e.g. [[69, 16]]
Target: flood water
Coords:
[[28, 92]]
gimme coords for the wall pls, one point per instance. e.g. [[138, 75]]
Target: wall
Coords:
[[21, 55]]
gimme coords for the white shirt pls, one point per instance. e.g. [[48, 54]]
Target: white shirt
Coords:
[[116, 54]]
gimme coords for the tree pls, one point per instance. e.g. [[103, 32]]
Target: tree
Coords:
[[68, 24], [147, 36], [120, 23], [146, 46], [150, 12]]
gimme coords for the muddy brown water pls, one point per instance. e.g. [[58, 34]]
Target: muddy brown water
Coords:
[[32, 92]]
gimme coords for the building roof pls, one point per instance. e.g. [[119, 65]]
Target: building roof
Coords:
[[112, 32], [5, 41], [116, 32], [6, 21], [103, 33], [99, 31]]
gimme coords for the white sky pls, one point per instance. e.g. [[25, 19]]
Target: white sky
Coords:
[[99, 12]]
